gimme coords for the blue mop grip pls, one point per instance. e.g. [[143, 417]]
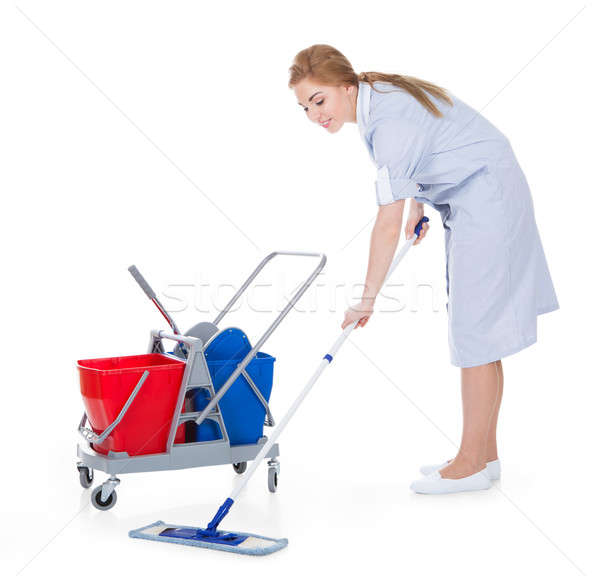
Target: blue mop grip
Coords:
[[420, 225], [220, 515]]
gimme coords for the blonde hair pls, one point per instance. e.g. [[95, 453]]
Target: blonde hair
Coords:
[[328, 66]]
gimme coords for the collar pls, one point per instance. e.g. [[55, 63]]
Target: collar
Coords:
[[363, 102]]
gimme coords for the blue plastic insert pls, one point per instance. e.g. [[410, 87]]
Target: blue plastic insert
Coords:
[[243, 413], [208, 536]]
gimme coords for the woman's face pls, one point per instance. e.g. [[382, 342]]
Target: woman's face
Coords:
[[330, 107]]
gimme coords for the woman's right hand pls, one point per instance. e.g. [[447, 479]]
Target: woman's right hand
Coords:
[[361, 312]]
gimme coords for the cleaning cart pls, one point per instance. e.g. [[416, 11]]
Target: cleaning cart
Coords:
[[203, 404]]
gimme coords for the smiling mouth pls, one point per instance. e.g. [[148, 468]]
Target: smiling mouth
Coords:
[[326, 123]]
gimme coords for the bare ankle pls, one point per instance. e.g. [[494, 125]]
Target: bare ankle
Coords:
[[462, 465]]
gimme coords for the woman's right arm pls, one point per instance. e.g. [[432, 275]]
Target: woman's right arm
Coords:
[[384, 240]]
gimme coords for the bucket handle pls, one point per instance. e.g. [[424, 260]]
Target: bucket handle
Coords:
[[91, 437], [270, 421]]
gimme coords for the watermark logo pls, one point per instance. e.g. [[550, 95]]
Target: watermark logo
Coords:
[[408, 295]]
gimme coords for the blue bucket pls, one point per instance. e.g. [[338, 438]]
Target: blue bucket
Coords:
[[243, 413]]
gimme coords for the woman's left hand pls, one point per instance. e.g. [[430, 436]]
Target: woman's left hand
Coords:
[[415, 214], [361, 312]]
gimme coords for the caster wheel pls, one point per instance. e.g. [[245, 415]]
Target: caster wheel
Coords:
[[240, 468], [86, 476], [273, 480], [108, 503]]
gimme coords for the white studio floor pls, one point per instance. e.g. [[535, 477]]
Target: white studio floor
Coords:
[[343, 500]]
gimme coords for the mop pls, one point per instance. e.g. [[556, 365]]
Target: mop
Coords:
[[239, 542]]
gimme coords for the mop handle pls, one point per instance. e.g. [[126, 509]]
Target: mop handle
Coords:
[[326, 360]]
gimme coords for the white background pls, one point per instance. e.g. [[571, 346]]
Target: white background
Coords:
[[164, 134]]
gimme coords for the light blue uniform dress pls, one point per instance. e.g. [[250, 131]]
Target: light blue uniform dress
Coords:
[[497, 277]]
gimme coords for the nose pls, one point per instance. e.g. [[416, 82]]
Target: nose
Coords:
[[314, 116]]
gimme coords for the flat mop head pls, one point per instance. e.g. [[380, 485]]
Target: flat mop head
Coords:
[[218, 540]]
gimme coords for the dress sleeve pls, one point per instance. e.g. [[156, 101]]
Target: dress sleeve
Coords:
[[397, 148]]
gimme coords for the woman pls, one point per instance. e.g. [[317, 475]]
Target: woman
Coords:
[[432, 148]]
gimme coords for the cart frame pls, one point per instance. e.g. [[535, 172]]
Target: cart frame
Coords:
[[196, 375]]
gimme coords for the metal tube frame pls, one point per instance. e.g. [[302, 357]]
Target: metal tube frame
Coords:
[[242, 365], [195, 346]]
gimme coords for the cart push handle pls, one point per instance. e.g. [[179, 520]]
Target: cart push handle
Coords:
[[323, 260], [244, 363]]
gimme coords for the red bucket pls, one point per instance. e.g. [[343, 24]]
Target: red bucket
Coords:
[[106, 384]]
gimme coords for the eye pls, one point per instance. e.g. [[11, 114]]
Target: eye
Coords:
[[317, 102]]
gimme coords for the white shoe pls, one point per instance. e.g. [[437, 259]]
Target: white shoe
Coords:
[[435, 484], [491, 468]]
